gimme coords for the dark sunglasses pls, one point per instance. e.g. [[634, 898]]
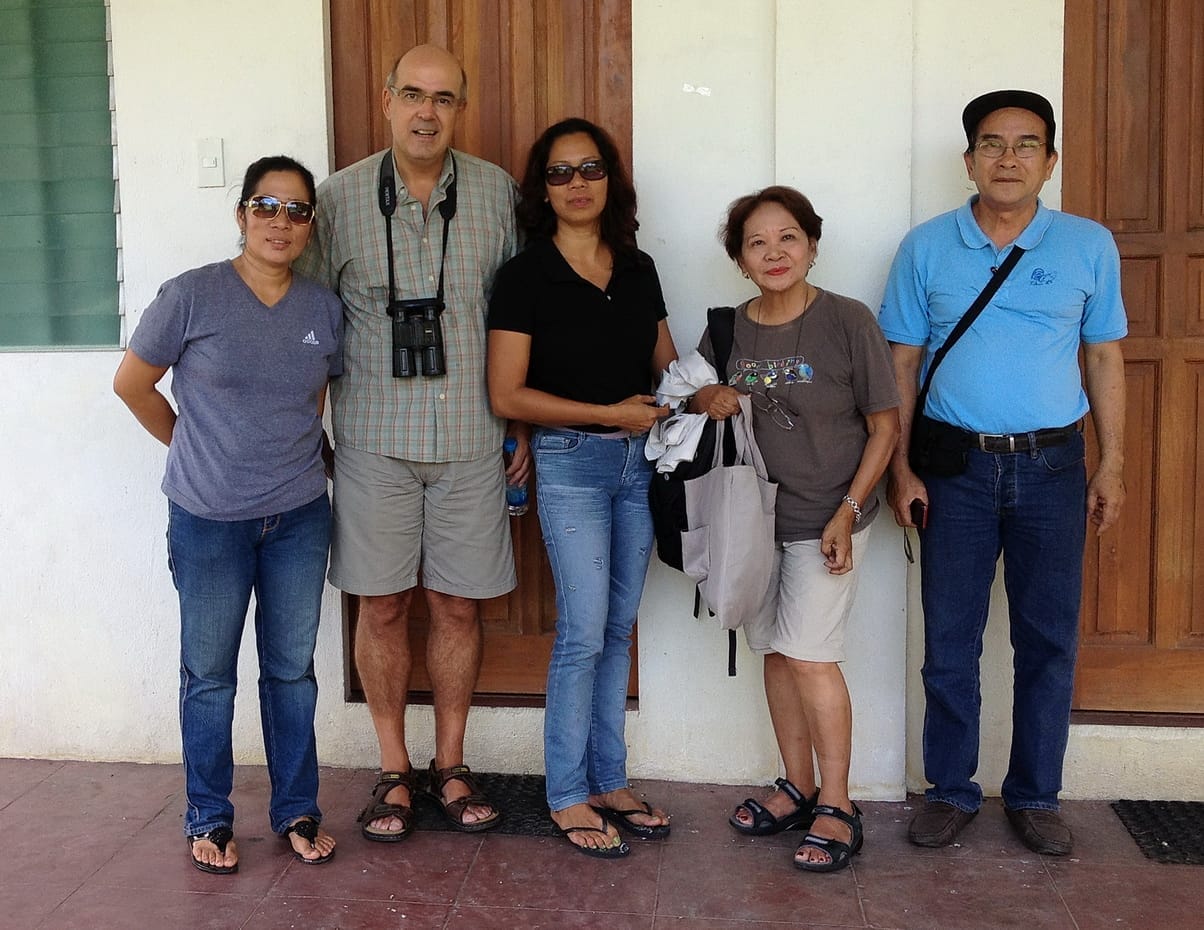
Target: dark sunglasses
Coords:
[[556, 175], [266, 207]]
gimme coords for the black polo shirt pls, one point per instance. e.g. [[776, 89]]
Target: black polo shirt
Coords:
[[586, 344]]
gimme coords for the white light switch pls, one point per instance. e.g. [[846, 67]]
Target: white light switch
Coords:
[[210, 166]]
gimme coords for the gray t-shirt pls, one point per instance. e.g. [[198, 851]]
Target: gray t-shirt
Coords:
[[827, 369], [246, 380]]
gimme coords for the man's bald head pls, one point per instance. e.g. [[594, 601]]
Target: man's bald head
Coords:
[[426, 55]]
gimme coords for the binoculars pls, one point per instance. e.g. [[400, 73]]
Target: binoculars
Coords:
[[416, 328]]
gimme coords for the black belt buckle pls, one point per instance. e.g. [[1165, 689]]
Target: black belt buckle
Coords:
[[1001, 443]]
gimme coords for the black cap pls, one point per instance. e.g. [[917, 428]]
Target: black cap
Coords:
[[980, 107]]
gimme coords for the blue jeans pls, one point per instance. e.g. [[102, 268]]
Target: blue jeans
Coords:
[[1031, 507], [215, 566], [593, 508]]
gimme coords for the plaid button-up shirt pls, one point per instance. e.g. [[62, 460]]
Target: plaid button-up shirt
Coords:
[[421, 419]]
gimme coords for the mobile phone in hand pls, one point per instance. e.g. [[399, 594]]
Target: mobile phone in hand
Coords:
[[919, 513]]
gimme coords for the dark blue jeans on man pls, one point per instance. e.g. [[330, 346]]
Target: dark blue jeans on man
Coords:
[[1031, 507], [215, 566]]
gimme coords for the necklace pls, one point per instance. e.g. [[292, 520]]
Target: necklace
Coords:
[[779, 372]]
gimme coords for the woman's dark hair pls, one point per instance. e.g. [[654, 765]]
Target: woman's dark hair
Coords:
[[731, 234], [257, 169], [535, 216]]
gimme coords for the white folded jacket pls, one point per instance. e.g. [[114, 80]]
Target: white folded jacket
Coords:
[[674, 440]]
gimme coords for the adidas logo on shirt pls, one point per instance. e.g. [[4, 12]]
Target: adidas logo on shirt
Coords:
[[310, 340]]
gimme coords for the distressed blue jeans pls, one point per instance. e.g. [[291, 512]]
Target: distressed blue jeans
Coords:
[[1031, 507], [593, 508], [215, 566]]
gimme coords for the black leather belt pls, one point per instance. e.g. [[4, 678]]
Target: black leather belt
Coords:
[[1002, 443]]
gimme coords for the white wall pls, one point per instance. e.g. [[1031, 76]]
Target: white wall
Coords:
[[856, 104]]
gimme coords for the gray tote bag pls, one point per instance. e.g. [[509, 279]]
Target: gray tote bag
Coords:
[[728, 548]]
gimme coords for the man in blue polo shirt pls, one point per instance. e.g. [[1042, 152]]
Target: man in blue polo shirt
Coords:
[[1008, 402]]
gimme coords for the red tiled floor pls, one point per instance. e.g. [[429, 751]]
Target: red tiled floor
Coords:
[[27, 904], [508, 918], [513, 871], [425, 868], [101, 845], [61, 847], [701, 923], [929, 893], [700, 812], [1124, 897], [295, 913], [753, 883], [19, 775], [116, 909]]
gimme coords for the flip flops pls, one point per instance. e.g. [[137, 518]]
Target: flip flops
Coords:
[[307, 829], [622, 820], [219, 837], [617, 851]]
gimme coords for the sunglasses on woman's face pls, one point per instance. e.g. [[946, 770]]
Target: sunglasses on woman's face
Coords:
[[267, 207], [557, 175]]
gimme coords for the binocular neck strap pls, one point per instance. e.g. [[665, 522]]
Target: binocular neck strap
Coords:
[[387, 200]]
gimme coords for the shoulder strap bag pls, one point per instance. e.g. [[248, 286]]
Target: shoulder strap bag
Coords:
[[935, 448]]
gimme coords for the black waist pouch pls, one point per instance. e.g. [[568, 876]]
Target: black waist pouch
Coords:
[[937, 448]]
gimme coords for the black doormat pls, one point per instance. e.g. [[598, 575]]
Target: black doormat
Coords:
[[520, 798], [1168, 831]]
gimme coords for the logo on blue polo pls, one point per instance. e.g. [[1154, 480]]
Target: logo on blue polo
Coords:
[[310, 340], [1041, 276]]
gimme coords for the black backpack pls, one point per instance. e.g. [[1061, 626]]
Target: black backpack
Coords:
[[667, 492]]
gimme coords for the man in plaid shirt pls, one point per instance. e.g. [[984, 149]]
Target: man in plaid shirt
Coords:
[[418, 474]]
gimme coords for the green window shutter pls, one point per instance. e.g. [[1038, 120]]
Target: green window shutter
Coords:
[[59, 249]]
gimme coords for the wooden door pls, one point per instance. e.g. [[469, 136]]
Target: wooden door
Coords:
[[529, 64], [1133, 159]]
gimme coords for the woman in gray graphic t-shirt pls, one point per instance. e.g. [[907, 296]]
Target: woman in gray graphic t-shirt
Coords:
[[825, 416]]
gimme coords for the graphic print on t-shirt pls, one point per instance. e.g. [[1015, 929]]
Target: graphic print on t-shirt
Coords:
[[772, 372]]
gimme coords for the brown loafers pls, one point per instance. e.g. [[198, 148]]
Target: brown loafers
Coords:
[[1041, 831], [938, 824]]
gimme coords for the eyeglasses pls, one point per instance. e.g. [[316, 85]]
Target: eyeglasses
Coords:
[[776, 409], [995, 148], [412, 99], [267, 207], [593, 170]]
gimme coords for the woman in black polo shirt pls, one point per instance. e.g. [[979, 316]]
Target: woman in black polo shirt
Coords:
[[577, 336]]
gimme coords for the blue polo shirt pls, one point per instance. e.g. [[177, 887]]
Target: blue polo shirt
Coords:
[[1016, 368]]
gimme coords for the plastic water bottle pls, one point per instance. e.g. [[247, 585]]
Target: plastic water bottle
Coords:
[[516, 494]]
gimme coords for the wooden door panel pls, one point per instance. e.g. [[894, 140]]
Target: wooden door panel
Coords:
[[529, 63], [1133, 72], [1192, 626], [1194, 319], [1118, 603], [1132, 142], [1141, 280], [1193, 82]]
